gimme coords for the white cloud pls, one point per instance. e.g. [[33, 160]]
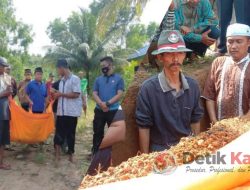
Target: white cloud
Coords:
[[155, 10], [39, 13]]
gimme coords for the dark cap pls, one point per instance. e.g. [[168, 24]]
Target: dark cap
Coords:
[[51, 75], [3, 62], [38, 70], [27, 71], [62, 63]]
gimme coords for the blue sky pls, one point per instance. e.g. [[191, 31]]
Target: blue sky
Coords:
[[39, 13]]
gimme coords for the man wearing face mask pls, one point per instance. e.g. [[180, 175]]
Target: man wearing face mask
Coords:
[[107, 92]]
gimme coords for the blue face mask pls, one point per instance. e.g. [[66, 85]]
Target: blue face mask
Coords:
[[105, 70]]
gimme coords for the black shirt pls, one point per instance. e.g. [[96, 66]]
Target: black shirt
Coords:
[[55, 85], [168, 116]]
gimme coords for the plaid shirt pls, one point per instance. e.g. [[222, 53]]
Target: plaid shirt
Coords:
[[67, 106]]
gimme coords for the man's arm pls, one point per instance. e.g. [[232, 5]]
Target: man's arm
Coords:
[[29, 100], [210, 105], [116, 133], [76, 90], [97, 98], [144, 136], [71, 95], [209, 18], [99, 102], [144, 119], [246, 116], [27, 95], [6, 93], [196, 128], [14, 87], [197, 112], [117, 97]]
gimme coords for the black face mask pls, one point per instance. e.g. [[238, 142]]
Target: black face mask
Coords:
[[105, 70]]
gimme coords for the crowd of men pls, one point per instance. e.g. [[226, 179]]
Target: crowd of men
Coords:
[[168, 104], [69, 97]]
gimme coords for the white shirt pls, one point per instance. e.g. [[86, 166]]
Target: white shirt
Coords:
[[5, 81], [67, 106]]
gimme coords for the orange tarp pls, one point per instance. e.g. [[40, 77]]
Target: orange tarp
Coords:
[[30, 128]]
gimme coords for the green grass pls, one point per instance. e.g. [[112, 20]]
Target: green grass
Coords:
[[40, 158], [87, 121]]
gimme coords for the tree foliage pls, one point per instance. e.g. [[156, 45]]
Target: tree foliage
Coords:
[[139, 34], [77, 40], [109, 10], [15, 38]]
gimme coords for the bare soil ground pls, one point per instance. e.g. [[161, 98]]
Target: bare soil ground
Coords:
[[35, 169]]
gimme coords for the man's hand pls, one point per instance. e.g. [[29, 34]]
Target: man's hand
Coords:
[[144, 136], [31, 104], [172, 6], [185, 30], [104, 107], [57, 95], [7, 92], [246, 116], [207, 40]]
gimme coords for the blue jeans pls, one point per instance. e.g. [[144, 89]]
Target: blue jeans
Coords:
[[225, 11], [200, 48]]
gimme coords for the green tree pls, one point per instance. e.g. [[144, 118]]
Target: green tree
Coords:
[[108, 11], [139, 34], [15, 36], [77, 40]]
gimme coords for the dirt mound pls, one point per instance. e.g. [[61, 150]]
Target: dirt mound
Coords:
[[206, 143], [129, 148]]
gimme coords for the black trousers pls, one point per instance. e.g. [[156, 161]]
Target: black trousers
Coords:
[[100, 120], [25, 106], [4, 132], [200, 48], [66, 129], [225, 12]]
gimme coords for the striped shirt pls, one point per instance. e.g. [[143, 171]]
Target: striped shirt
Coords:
[[168, 23], [228, 86]]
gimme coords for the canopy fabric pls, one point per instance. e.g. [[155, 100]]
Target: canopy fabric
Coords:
[[29, 128], [139, 54]]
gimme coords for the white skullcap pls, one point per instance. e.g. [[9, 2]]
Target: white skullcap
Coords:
[[238, 30]]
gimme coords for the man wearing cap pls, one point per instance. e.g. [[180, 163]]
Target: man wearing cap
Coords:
[[22, 89], [49, 83], [13, 80], [168, 104], [68, 110], [6, 90], [37, 93], [227, 89]]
